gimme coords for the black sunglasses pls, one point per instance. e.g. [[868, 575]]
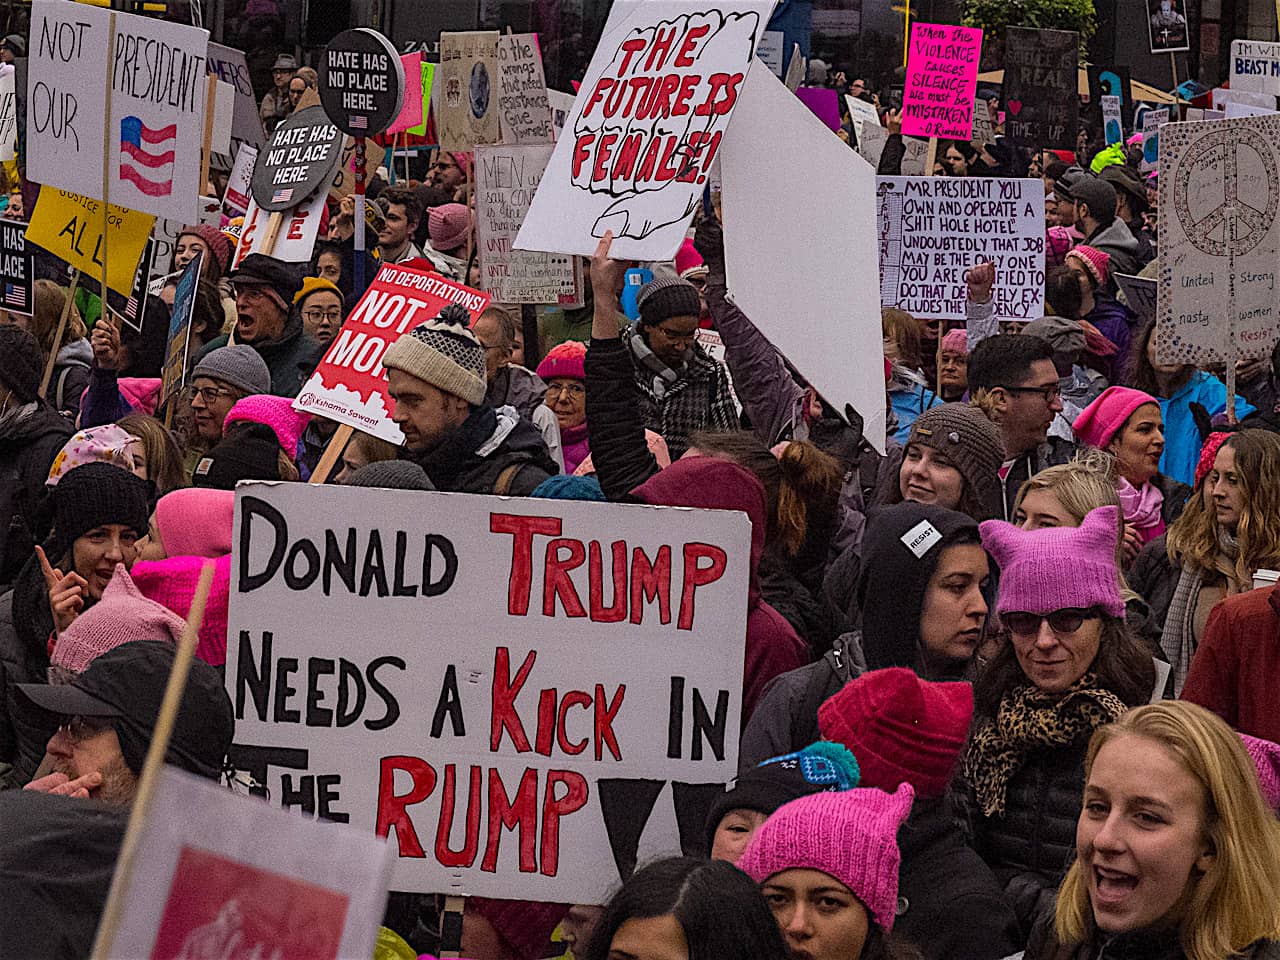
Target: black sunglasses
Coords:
[[1060, 621]]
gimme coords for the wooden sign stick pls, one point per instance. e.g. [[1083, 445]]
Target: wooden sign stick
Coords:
[[273, 230], [206, 148], [451, 926], [106, 174], [62, 329], [336, 445]]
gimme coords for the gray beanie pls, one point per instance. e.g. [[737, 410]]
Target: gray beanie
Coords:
[[666, 297], [239, 366], [390, 475], [444, 353]]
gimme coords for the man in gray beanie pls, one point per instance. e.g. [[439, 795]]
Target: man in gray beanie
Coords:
[[436, 376], [222, 377]]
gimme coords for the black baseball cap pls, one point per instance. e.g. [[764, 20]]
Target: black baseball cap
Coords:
[[126, 686]]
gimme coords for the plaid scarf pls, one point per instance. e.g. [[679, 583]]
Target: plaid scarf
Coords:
[[664, 376]]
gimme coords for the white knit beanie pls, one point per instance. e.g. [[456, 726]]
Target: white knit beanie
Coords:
[[444, 353]]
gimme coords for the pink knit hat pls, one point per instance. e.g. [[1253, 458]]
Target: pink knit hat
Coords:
[[566, 359], [275, 412], [1057, 568], [172, 582], [448, 226], [123, 614], [956, 341], [689, 261], [108, 443], [1209, 453], [141, 393], [1057, 241], [1096, 262], [851, 835], [196, 521], [1103, 419], [1266, 761]]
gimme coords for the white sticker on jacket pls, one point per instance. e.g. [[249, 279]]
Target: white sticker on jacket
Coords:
[[921, 538]]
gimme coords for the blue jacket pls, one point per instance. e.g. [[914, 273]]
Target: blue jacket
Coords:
[[908, 404], [1181, 438]]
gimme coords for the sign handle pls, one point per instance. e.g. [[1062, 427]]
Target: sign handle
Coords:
[[206, 148], [931, 157], [451, 926], [106, 170], [62, 326], [1231, 393], [337, 443], [273, 230], [159, 746], [358, 237]]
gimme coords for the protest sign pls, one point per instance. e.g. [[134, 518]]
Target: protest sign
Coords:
[[506, 178], [637, 165], [165, 233], [1139, 294], [1222, 97], [157, 88], [984, 129], [1042, 104], [1219, 242], [428, 82], [1109, 82], [871, 140], [561, 106], [17, 267], [350, 385], [1112, 125], [1255, 66], [244, 879], [361, 82], [466, 110], [237, 197], [301, 156], [1236, 108], [523, 109], [8, 116], [1167, 26], [824, 103], [474, 665], [915, 157], [839, 352], [131, 308], [229, 66], [770, 50], [173, 376], [1152, 121], [933, 229], [70, 227], [224, 102], [296, 239], [860, 111], [942, 77], [413, 112], [796, 69]]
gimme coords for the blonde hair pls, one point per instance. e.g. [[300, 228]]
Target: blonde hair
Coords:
[[47, 302], [1236, 901], [901, 327]]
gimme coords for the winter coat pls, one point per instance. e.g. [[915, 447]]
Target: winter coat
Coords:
[[26, 623], [109, 396], [494, 451], [1175, 497], [514, 386], [1236, 669], [1052, 453], [700, 399], [1118, 241], [290, 358], [1114, 322], [70, 377], [908, 402], [30, 437], [1181, 435]]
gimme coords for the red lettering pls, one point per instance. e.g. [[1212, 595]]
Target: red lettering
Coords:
[[689, 162], [662, 99], [521, 813], [604, 720], [448, 800], [600, 171], [574, 698], [716, 80], [639, 87], [522, 530], [581, 152], [575, 798], [296, 223], [731, 95], [650, 580], [618, 610], [659, 50], [556, 582], [504, 715], [546, 721], [683, 58], [391, 808], [597, 95], [696, 575], [665, 170], [630, 48], [650, 161], [687, 87]]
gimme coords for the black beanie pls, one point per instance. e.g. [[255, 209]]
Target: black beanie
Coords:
[[667, 297], [94, 495], [250, 452], [900, 552], [20, 362]]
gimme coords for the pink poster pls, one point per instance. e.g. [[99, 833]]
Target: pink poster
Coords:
[[942, 75], [411, 112]]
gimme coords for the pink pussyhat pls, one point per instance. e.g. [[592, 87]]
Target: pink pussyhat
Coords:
[[123, 614], [196, 522], [1266, 761], [275, 412], [1107, 414], [172, 582]]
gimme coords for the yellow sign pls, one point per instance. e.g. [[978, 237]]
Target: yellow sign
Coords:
[[70, 227]]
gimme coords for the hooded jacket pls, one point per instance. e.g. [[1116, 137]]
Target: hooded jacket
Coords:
[[1182, 439], [1117, 240], [30, 437], [515, 386], [773, 647], [475, 456], [70, 377]]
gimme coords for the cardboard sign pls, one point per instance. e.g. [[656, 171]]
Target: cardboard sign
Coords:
[[361, 82], [1139, 294], [523, 110], [229, 66], [933, 229], [350, 385], [1112, 125], [428, 81], [173, 376], [132, 308], [984, 129], [770, 50], [915, 157], [17, 267], [871, 140], [243, 879], [561, 107], [1255, 66], [8, 116], [1152, 121], [506, 179], [942, 77], [296, 239], [637, 165], [158, 97], [1041, 99], [238, 195], [1167, 26], [70, 227], [301, 156], [839, 352], [526, 697], [413, 111], [1219, 242], [466, 107]]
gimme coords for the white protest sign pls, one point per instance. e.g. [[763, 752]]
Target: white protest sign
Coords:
[[1112, 124], [1219, 243], [1223, 96], [796, 69], [521, 694], [224, 102], [229, 65], [296, 238], [523, 109], [506, 178], [8, 115], [871, 140], [245, 879], [933, 229], [770, 49], [237, 197], [1255, 66], [915, 157], [561, 106], [1236, 109], [839, 352], [464, 99], [1152, 121], [637, 164], [860, 111], [158, 91], [984, 130]]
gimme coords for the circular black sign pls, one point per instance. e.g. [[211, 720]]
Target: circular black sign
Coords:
[[297, 160], [361, 82]]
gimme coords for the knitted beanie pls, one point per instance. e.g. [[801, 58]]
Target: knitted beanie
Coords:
[[1106, 415], [666, 297], [689, 262], [123, 614], [956, 341], [851, 836], [219, 243], [778, 780], [251, 453], [390, 475], [1209, 453], [238, 366], [444, 353], [448, 226], [569, 487], [902, 729], [1096, 262], [566, 359], [196, 522], [1266, 762], [20, 362], [1058, 568], [1057, 241], [92, 496], [105, 444], [272, 411], [971, 442], [525, 926], [172, 583]]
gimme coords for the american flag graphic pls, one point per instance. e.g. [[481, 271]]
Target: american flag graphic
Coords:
[[282, 196], [358, 123], [146, 156], [14, 295], [131, 309]]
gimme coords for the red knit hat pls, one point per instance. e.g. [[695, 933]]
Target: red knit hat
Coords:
[[1209, 453], [525, 926], [901, 729], [1097, 262], [566, 359], [219, 243], [1106, 416]]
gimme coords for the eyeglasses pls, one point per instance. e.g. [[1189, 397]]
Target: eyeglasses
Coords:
[[79, 729], [573, 390], [1050, 392], [674, 337], [444, 165], [208, 394], [315, 316], [1060, 621]]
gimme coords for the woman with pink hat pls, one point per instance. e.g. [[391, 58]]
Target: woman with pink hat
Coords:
[[1092, 269]]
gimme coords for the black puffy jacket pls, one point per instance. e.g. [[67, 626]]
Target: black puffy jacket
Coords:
[[25, 625], [29, 440]]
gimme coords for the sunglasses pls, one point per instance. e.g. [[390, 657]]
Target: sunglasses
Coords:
[[1060, 621], [80, 729]]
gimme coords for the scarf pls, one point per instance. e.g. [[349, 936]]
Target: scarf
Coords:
[[575, 444], [664, 377], [1178, 639], [1142, 508], [1029, 719]]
